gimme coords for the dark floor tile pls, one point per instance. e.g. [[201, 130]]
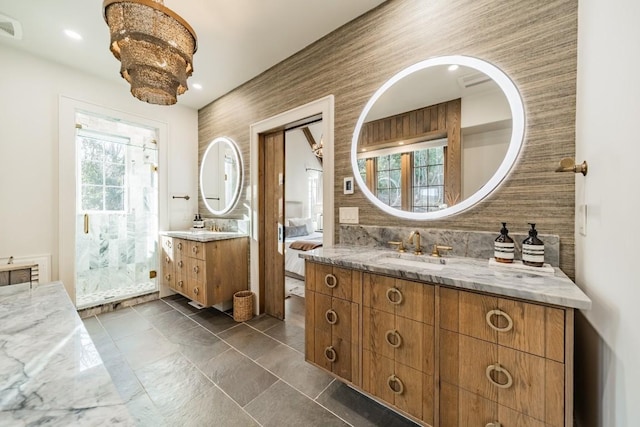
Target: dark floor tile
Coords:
[[262, 322], [214, 320], [173, 323], [248, 341], [289, 365], [282, 405], [288, 333], [152, 308], [358, 410], [145, 347], [199, 345], [173, 384], [126, 324], [238, 376]]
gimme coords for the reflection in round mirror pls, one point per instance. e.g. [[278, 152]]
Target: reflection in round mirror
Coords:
[[437, 137], [221, 176]]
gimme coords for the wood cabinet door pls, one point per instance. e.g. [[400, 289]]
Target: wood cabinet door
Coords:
[[461, 408], [413, 301], [180, 248], [322, 281], [196, 249]]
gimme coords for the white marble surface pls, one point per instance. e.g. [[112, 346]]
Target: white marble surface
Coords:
[[204, 235], [50, 371], [465, 273]]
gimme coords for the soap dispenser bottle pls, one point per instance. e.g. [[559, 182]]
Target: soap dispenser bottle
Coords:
[[504, 248], [533, 249]]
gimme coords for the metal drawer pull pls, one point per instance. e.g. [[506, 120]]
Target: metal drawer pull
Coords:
[[196, 269], [194, 249], [167, 277], [395, 384], [496, 424], [492, 313], [180, 245], [196, 290], [395, 300], [330, 354], [331, 317], [331, 281], [498, 368], [181, 283], [169, 244], [180, 264], [397, 339], [167, 260]]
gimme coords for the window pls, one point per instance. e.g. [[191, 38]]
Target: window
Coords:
[[428, 180], [102, 175], [409, 177]]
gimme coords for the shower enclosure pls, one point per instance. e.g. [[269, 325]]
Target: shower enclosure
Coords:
[[116, 210]]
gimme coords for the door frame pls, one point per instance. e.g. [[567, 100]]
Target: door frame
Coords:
[[324, 106], [67, 180]]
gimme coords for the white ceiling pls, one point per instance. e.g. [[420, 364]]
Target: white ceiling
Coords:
[[237, 39]]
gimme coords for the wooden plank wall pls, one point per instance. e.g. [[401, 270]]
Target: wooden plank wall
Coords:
[[534, 44]]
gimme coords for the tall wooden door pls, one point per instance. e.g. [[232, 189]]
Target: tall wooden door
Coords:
[[272, 234]]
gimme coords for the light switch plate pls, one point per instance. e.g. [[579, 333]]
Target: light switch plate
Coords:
[[349, 215]]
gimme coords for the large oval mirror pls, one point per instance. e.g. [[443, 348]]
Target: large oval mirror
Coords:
[[221, 175], [437, 137]]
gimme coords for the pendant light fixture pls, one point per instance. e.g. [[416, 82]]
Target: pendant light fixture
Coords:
[[155, 47]]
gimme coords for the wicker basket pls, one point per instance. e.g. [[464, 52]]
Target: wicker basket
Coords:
[[242, 306]]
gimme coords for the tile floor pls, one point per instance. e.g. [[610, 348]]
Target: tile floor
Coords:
[[175, 365]]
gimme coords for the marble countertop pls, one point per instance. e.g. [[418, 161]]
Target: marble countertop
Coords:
[[50, 371], [204, 235], [466, 273]]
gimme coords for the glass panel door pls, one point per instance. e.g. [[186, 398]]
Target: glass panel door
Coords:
[[116, 211]]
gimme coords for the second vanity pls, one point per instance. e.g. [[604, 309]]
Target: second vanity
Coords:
[[206, 267], [446, 341]]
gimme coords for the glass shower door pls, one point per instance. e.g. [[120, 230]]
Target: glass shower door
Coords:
[[116, 215]]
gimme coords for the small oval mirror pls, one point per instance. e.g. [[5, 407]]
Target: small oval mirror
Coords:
[[438, 137], [221, 176]]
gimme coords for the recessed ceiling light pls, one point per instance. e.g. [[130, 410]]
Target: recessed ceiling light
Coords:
[[73, 35], [453, 67], [197, 86]]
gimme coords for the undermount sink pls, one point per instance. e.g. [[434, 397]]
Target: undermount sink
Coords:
[[416, 261]]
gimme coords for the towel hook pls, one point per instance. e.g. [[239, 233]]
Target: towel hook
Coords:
[[569, 165], [182, 197]]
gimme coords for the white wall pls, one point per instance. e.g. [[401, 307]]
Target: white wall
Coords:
[[29, 95], [608, 108], [482, 154], [298, 157]]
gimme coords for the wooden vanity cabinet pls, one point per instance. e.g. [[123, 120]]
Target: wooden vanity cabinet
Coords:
[[208, 273], [443, 356], [332, 300]]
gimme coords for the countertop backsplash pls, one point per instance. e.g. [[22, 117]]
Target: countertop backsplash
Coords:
[[472, 244]]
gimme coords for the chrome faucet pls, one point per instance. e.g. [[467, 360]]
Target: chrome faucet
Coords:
[[415, 235]]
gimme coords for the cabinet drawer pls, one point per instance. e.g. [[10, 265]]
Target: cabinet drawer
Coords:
[[532, 328], [528, 384], [197, 291], [180, 247], [335, 315], [403, 340], [401, 297], [167, 246], [196, 249], [330, 280], [397, 384], [461, 408], [196, 269]]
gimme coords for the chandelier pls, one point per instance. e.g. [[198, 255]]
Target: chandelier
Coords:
[[155, 47]]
